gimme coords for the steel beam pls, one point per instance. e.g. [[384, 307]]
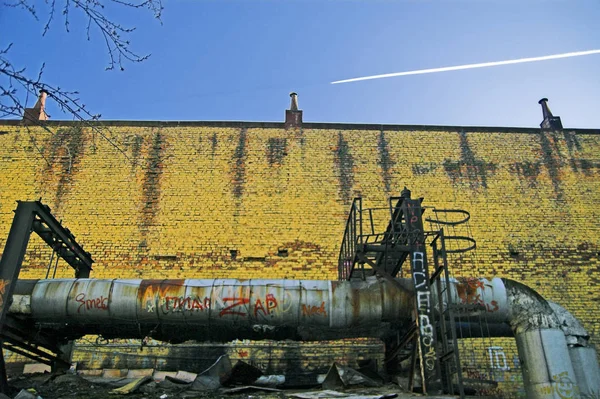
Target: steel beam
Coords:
[[33, 216]]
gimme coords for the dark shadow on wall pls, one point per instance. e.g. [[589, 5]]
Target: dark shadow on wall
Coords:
[[238, 170], [475, 171], [151, 184], [385, 161], [65, 148], [276, 151], [551, 159], [344, 166]]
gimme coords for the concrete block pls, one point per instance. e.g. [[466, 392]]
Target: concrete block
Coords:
[[114, 373], [186, 376], [91, 373], [161, 375], [33, 368], [137, 373]]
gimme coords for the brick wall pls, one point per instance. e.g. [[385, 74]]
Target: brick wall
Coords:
[[243, 201]]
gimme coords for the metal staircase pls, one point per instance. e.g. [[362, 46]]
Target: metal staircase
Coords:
[[384, 252], [430, 341]]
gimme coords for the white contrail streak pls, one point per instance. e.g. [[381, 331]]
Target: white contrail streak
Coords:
[[471, 66]]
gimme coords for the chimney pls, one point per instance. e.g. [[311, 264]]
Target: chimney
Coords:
[[550, 121], [38, 112], [293, 116]]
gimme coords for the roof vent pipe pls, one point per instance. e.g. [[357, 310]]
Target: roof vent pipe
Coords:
[[293, 116], [32, 116], [550, 121], [294, 104]]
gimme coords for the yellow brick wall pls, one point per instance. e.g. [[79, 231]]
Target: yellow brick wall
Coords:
[[182, 198], [292, 358]]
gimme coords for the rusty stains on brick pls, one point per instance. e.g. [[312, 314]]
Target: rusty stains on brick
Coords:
[[385, 161], [423, 168], [136, 149], [276, 150], [551, 159], [573, 144], [473, 169], [585, 166], [151, 182], [66, 148], [214, 142], [574, 147], [528, 171], [239, 165], [344, 164]]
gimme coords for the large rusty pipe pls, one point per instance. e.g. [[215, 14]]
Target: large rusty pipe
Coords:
[[218, 309], [225, 309]]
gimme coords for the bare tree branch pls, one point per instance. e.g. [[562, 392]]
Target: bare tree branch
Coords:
[[16, 85]]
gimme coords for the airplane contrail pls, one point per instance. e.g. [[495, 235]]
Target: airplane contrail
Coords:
[[471, 66]]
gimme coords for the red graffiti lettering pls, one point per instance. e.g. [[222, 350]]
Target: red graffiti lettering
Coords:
[[100, 303], [236, 302], [259, 306], [314, 310], [493, 308], [242, 353], [271, 302], [177, 303]]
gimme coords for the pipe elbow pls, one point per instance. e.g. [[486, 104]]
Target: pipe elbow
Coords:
[[528, 310]]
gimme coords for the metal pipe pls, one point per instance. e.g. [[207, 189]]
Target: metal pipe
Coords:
[[542, 345], [583, 356], [226, 309], [220, 309]]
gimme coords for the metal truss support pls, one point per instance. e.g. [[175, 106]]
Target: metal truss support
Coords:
[[33, 216]]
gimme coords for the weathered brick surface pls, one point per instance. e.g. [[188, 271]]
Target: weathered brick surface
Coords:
[[205, 202]]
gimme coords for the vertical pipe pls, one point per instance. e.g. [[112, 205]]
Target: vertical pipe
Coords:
[[587, 372], [547, 369]]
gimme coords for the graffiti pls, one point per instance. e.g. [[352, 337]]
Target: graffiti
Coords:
[[565, 387], [470, 291], [314, 310], [242, 353], [3, 285], [516, 361], [270, 303], [100, 303], [263, 328], [236, 302], [496, 354], [180, 303], [426, 332], [288, 301], [242, 304], [482, 383]]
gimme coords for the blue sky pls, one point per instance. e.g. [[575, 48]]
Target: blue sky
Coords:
[[238, 60]]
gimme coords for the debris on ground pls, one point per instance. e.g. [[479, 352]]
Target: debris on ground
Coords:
[[27, 394], [342, 377], [342, 395], [241, 374], [240, 381], [131, 387], [249, 388]]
